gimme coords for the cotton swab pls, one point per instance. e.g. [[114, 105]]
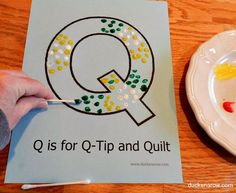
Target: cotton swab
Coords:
[[71, 101], [31, 186]]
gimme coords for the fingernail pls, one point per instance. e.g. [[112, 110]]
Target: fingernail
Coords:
[[43, 104]]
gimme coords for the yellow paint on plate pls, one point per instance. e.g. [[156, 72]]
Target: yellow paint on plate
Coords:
[[225, 71]]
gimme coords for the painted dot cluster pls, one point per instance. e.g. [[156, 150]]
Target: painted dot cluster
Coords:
[[111, 26], [59, 54], [140, 53], [122, 94], [127, 95], [109, 104], [111, 81], [135, 81], [91, 103], [139, 50], [130, 37]]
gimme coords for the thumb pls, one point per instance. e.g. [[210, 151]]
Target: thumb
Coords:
[[23, 106]]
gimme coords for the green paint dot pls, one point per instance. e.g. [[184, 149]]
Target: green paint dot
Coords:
[[86, 102], [133, 86], [107, 31], [143, 88], [100, 96], [96, 104], [103, 20], [118, 29], [87, 109], [121, 24], [103, 29], [112, 31], [92, 96], [110, 25], [113, 21], [99, 111], [145, 81], [131, 75], [84, 97], [138, 76], [111, 81], [78, 101], [128, 82], [134, 71], [136, 81]]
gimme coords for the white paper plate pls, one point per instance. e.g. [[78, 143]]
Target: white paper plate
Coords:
[[207, 95]]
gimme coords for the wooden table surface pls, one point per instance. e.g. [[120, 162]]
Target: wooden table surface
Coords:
[[192, 22]]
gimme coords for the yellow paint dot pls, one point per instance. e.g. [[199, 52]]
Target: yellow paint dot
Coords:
[[105, 80], [132, 51], [113, 75], [60, 68], [147, 55], [62, 42], [136, 56], [140, 49], [130, 28], [59, 37], [65, 37], [112, 103], [134, 37], [146, 50], [55, 50], [124, 39], [118, 107], [70, 42], [109, 109], [105, 104], [108, 97], [111, 87], [67, 52], [58, 61], [144, 60], [142, 44], [66, 63], [117, 80], [51, 71]]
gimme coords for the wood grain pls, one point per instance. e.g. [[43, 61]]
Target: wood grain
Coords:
[[192, 22]]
